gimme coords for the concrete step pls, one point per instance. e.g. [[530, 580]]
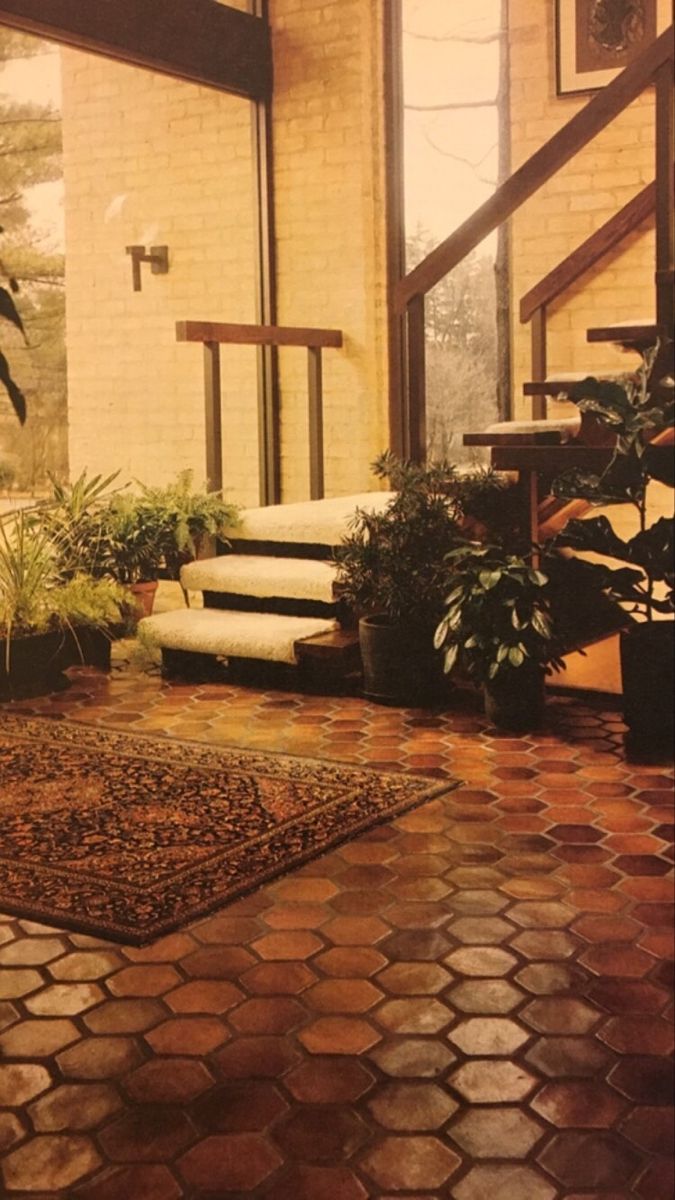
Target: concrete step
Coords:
[[261, 636]]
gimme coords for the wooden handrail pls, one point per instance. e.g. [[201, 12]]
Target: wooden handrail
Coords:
[[256, 335], [544, 163], [587, 254], [214, 334]]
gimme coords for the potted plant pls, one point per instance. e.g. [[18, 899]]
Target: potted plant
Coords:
[[132, 539], [497, 629], [38, 609], [193, 518], [640, 413], [393, 573]]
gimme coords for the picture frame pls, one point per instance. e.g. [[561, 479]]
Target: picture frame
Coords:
[[596, 39]]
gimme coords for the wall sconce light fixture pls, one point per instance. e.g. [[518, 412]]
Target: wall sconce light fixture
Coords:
[[157, 256]]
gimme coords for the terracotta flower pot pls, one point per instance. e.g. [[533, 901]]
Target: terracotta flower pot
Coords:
[[144, 595]]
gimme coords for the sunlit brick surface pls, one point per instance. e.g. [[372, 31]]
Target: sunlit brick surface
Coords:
[[472, 1001]]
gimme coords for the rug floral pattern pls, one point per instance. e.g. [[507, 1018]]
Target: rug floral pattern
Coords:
[[131, 835]]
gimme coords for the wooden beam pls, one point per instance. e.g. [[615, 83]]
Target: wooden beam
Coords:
[[255, 335], [544, 163], [205, 42]]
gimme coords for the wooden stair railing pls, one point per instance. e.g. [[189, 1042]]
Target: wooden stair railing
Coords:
[[213, 335], [654, 66], [535, 303]]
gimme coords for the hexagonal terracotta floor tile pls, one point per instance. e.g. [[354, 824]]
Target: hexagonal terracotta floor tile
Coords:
[[125, 1016], [242, 1107], [569, 1056], [142, 980], [504, 1183], [411, 1106], [412, 1058], [51, 1161], [17, 982], [99, 1058], [579, 1104], [274, 1014], [488, 1035], [560, 1014], [38, 1038], [256, 1058], [168, 1081], [410, 1162], [84, 965], [31, 952], [147, 1133], [486, 1081], [64, 999], [187, 1035], [305, 1135], [414, 978], [21, 1082], [505, 1132], [412, 1015], [329, 1080], [204, 996], [339, 1035], [481, 961], [74, 1106], [342, 996], [233, 1162], [144, 1180], [589, 1160]]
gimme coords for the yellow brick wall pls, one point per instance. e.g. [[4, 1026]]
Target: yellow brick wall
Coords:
[[329, 176], [153, 160], [590, 189]]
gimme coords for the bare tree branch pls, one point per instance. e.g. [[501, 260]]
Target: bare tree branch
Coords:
[[461, 159], [466, 39], [451, 104]]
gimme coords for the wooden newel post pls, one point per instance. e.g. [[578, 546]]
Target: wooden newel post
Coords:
[[665, 206], [417, 386], [212, 417], [315, 415], [539, 363]]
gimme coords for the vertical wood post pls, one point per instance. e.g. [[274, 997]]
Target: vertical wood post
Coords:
[[212, 414], [665, 203], [539, 357], [417, 400], [315, 414]]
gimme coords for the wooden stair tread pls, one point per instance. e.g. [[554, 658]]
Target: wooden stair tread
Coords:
[[558, 384], [636, 335]]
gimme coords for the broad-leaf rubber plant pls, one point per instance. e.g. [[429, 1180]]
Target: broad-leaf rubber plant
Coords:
[[637, 415]]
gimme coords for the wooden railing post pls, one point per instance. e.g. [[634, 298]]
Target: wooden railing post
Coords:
[[665, 204], [416, 363], [315, 414], [539, 363], [212, 415]]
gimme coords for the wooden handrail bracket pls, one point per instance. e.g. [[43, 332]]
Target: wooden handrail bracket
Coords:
[[564, 144], [215, 332]]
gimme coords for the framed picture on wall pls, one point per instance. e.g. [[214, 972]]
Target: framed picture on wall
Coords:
[[596, 39]]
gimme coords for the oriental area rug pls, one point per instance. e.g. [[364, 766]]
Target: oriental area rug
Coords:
[[129, 836]]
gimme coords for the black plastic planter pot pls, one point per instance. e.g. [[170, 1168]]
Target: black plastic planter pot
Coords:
[[85, 646], [400, 665], [35, 666], [515, 699], [647, 656]]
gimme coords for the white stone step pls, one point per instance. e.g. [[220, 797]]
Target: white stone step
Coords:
[[262, 576], [263, 636], [323, 522]]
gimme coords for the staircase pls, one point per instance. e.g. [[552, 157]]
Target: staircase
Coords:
[[269, 608]]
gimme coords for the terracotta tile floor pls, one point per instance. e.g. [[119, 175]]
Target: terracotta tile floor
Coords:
[[471, 1002]]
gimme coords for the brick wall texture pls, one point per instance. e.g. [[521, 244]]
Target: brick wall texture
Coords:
[[594, 185], [153, 160]]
